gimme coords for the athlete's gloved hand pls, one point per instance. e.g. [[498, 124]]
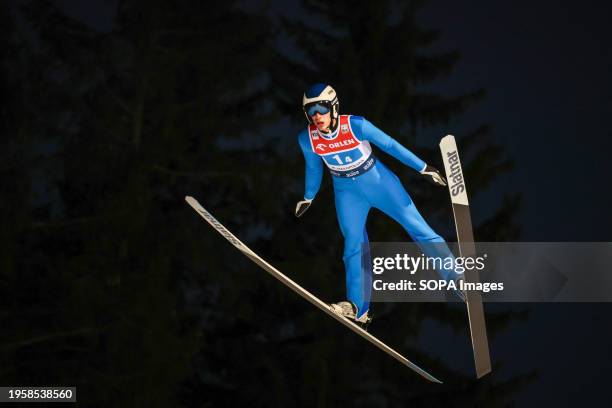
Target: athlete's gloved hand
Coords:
[[433, 175], [301, 207]]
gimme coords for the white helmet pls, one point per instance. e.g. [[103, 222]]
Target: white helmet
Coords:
[[321, 98]]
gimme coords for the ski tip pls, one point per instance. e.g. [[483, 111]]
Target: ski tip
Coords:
[[193, 202], [447, 138]]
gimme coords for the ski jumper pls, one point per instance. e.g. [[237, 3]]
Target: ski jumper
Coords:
[[361, 182]]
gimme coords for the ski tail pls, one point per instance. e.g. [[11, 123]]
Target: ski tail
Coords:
[[303, 292]]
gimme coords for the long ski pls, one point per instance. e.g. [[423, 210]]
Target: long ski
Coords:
[[303, 292], [465, 238]]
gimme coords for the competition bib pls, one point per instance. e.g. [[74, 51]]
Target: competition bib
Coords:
[[343, 153]]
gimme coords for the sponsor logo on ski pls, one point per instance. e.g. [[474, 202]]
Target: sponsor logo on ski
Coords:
[[456, 176], [226, 234]]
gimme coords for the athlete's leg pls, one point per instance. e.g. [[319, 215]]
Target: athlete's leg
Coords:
[[390, 197], [352, 211]]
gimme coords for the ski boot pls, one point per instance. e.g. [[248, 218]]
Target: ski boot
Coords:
[[349, 310]]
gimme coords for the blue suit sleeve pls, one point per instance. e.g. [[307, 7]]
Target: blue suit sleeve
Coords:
[[367, 131], [314, 167]]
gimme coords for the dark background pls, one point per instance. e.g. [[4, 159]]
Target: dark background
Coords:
[[115, 110]]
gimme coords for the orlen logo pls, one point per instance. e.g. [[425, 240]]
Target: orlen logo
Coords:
[[321, 147], [455, 177]]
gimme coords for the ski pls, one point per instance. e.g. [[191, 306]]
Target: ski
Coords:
[[465, 239], [325, 307]]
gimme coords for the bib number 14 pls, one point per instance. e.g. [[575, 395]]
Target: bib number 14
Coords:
[[347, 159]]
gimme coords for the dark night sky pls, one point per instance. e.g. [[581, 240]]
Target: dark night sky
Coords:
[[546, 68]]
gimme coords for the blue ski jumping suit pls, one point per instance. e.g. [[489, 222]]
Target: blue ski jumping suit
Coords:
[[361, 182]]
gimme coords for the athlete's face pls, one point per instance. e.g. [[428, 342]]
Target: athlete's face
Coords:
[[322, 121]]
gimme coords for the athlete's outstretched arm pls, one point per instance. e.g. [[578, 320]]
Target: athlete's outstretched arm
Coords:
[[389, 145], [314, 167], [392, 147]]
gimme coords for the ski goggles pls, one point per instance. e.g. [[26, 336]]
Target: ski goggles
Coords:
[[317, 107]]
